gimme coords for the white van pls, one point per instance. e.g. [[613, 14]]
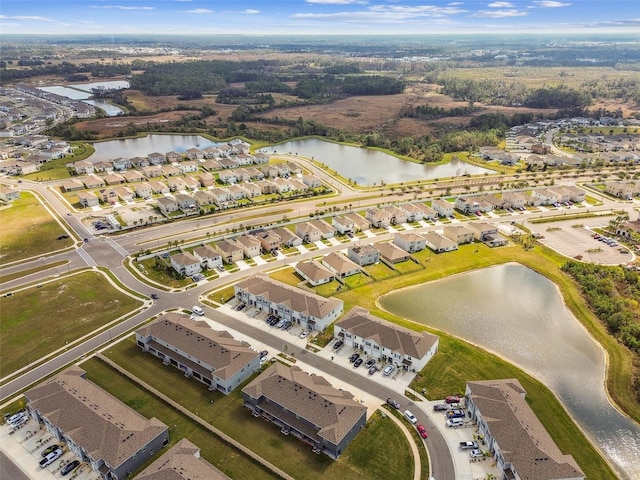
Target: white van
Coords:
[[51, 457], [455, 422], [197, 310]]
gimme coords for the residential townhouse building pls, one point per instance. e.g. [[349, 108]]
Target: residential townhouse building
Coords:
[[385, 341], [186, 203], [203, 198], [212, 357], [390, 253], [211, 152], [211, 165], [307, 309], [442, 207], [487, 233], [250, 245], [308, 232], [188, 166], [166, 205], [314, 272], [287, 237], [458, 233], [514, 200], [93, 181], [170, 171], [186, 264], [158, 187], [121, 164], [311, 181], [191, 182], [208, 256], [396, 215], [269, 240], [230, 250], [439, 243], [244, 159], [236, 192], [73, 410], [227, 162], [260, 158], [545, 196], [255, 174], [83, 167], [131, 176], [222, 196], [72, 185], [251, 190], [267, 187], [194, 154], [206, 179], [228, 176], [364, 254], [114, 179], [125, 194], [410, 242], [282, 185], [622, 189], [157, 158], [306, 406], [326, 230], [378, 218], [88, 199], [576, 194], [340, 265], [514, 436], [139, 162], [181, 462], [109, 196], [412, 212], [152, 171], [359, 222], [343, 225], [176, 184], [143, 190]]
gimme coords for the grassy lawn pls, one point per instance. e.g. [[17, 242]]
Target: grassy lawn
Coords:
[[458, 361], [287, 275], [214, 450], [38, 321], [229, 415], [28, 230], [328, 289], [162, 275], [357, 280], [222, 296], [380, 271], [408, 266]]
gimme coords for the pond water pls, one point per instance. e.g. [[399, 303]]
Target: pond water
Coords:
[[369, 167], [143, 146], [82, 91], [519, 314]]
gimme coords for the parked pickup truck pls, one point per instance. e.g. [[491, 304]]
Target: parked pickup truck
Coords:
[[468, 445]]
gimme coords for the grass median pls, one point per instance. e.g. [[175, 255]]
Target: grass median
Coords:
[[290, 454]]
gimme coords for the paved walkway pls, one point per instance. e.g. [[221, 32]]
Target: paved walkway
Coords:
[[417, 465]]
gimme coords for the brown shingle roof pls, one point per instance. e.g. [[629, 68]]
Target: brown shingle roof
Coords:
[[310, 397], [314, 271], [339, 263], [296, 299], [217, 349], [360, 322], [523, 440], [96, 421], [181, 462]]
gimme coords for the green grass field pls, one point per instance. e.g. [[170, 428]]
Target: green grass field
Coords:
[[37, 321], [229, 415], [28, 230]]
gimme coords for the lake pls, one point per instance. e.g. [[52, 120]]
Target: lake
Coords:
[[143, 146], [369, 167], [520, 315], [82, 92]]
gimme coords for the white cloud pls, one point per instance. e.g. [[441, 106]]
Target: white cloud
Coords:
[[122, 7], [250, 11], [336, 2], [26, 18], [200, 10], [500, 13], [551, 4], [500, 5]]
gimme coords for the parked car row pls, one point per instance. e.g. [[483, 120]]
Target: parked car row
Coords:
[[609, 241]]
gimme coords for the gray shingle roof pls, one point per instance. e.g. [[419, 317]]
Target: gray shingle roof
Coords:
[[523, 440], [96, 421], [360, 322], [310, 397], [296, 299], [217, 349]]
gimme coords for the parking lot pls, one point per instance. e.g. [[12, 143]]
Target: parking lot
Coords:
[[574, 238], [26, 444]]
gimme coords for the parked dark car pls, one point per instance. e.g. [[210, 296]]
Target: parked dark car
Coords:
[[373, 370], [393, 403], [264, 353], [357, 363], [440, 407], [370, 363], [354, 357], [50, 449], [70, 467], [338, 344], [455, 414]]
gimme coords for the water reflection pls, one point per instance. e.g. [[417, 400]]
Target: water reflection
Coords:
[[520, 315], [370, 167]]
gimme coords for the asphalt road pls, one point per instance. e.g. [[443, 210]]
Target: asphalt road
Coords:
[[10, 470]]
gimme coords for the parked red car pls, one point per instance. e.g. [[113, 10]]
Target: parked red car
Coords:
[[422, 431], [452, 399]]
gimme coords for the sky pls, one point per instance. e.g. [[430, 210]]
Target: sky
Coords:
[[315, 17]]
